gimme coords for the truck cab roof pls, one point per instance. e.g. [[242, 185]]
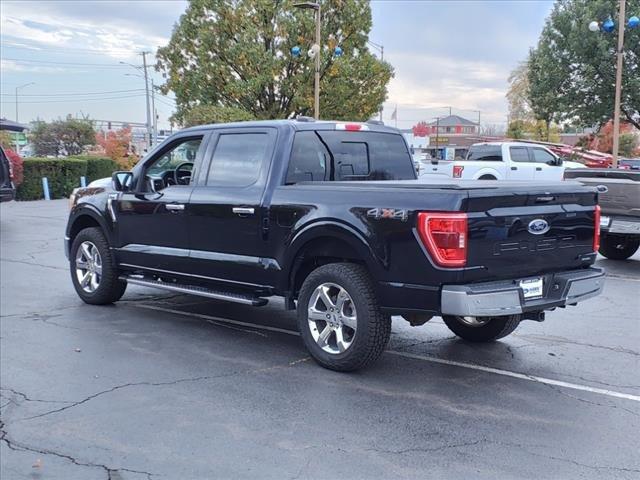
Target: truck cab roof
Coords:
[[300, 124]]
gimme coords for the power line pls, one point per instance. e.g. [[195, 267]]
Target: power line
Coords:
[[79, 64], [76, 100], [72, 94], [64, 50]]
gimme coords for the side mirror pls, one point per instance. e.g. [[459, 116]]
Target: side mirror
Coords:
[[434, 161], [122, 181]]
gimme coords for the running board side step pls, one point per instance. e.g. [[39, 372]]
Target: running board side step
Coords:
[[195, 290]]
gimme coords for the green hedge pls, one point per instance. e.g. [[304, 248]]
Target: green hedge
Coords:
[[98, 167], [63, 175]]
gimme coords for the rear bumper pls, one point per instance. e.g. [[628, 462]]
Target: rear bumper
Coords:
[[7, 194], [506, 297], [617, 225]]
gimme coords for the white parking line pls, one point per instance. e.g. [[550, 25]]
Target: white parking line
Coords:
[[425, 358]]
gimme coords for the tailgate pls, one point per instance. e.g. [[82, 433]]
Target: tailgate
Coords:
[[524, 231]]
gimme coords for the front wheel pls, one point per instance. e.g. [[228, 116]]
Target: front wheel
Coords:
[[93, 268], [482, 329], [618, 247], [339, 319]]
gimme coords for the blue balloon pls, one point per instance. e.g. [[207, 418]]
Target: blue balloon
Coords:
[[633, 22], [608, 25], [337, 52], [295, 51]]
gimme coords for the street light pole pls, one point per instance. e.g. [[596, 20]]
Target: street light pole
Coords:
[[380, 48], [18, 88], [616, 111], [146, 87]]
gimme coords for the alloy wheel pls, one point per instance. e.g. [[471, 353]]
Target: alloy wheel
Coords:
[[88, 267], [332, 318]]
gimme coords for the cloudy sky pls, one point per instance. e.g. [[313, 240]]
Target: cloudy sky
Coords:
[[445, 53]]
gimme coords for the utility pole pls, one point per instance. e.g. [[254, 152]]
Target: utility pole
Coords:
[[155, 114], [437, 138], [316, 100], [616, 111], [146, 87]]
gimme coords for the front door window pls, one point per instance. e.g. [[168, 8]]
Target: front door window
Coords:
[[175, 166]]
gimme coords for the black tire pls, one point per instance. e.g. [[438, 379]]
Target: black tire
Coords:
[[487, 177], [373, 327], [618, 247], [110, 289], [494, 329]]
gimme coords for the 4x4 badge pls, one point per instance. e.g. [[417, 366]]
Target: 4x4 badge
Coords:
[[390, 213]]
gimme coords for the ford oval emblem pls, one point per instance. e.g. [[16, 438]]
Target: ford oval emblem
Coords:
[[538, 226]]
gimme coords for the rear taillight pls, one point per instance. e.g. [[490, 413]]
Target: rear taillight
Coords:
[[445, 237], [596, 229], [457, 171], [10, 170]]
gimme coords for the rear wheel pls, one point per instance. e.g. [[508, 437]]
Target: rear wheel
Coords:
[[618, 247], [93, 268], [339, 319], [482, 329], [487, 177]]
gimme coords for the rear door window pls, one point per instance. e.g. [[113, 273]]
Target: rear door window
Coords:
[[339, 155], [310, 159], [238, 158], [519, 154], [485, 153]]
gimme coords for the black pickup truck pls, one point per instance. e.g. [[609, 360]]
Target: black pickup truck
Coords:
[[329, 215]]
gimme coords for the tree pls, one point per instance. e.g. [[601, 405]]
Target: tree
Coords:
[[533, 130], [17, 165], [116, 146], [237, 55], [420, 129], [204, 114], [628, 144], [518, 93], [62, 137], [603, 140], [545, 81], [579, 66]]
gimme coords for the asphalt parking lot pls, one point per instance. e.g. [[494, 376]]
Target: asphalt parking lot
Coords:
[[177, 387]]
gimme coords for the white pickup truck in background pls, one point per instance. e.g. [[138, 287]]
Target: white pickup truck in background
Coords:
[[508, 161], [500, 161]]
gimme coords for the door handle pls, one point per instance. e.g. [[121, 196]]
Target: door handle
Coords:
[[174, 207], [514, 168], [243, 210], [538, 169]]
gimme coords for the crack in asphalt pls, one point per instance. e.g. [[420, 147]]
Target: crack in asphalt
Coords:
[[21, 447], [566, 340], [26, 398], [507, 444], [430, 449], [161, 384], [33, 264], [590, 402]]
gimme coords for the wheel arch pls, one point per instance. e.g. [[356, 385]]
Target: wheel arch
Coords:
[[485, 172], [320, 244], [87, 217]]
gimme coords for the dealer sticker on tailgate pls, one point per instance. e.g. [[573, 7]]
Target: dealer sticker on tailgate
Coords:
[[532, 287]]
